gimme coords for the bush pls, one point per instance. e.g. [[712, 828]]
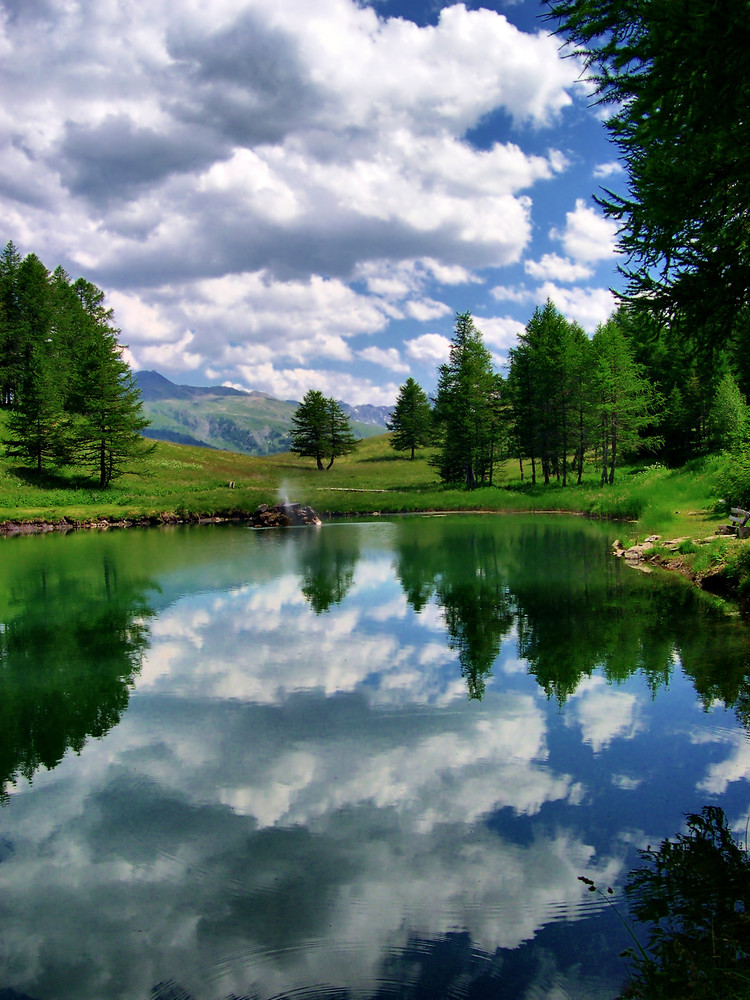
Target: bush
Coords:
[[733, 477]]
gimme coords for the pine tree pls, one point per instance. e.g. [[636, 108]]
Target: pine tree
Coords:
[[411, 421], [321, 430], [625, 399], [466, 409], [107, 404]]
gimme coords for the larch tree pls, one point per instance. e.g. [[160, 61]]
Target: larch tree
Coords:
[[410, 423], [675, 77], [624, 398], [321, 430], [466, 410]]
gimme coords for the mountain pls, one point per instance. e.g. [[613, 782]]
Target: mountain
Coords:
[[252, 423]]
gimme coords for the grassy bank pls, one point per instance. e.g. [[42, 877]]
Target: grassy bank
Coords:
[[186, 480]]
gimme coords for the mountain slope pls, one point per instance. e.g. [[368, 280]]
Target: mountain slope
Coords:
[[252, 423]]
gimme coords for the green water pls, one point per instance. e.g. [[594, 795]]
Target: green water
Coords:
[[367, 760]]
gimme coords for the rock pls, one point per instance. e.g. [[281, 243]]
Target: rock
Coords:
[[283, 515]]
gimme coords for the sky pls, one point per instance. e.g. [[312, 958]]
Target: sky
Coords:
[[278, 195]]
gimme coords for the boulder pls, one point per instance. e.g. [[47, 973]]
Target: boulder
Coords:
[[283, 515]]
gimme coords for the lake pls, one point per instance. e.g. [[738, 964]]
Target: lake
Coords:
[[368, 760]]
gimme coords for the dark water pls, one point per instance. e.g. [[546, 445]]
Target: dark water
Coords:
[[369, 760]]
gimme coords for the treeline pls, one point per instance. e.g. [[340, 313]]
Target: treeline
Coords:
[[635, 387], [70, 395]]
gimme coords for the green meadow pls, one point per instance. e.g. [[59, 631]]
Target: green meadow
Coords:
[[190, 481]]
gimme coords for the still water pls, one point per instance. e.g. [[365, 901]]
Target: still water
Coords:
[[367, 760]]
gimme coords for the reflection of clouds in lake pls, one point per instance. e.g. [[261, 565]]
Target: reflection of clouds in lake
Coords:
[[626, 781], [201, 869], [736, 767], [397, 608], [468, 768], [604, 713], [260, 645]]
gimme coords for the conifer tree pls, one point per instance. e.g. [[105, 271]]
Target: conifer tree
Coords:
[[411, 421], [466, 409], [625, 400], [321, 430], [109, 416]]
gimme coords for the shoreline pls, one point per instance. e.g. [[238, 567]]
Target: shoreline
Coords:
[[638, 556]]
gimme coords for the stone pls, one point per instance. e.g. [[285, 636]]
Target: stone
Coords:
[[283, 515]]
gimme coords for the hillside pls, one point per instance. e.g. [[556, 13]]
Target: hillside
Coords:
[[251, 423]]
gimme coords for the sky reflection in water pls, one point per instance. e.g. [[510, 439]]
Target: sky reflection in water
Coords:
[[300, 792]]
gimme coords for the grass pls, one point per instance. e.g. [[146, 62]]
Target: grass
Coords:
[[188, 481]]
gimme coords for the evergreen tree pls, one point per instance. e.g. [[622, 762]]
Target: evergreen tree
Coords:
[[548, 387], [625, 399], [38, 426], [411, 421], [321, 429], [466, 409], [730, 416], [106, 400], [676, 76], [10, 261]]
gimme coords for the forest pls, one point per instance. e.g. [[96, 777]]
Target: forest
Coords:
[[636, 388], [68, 391]]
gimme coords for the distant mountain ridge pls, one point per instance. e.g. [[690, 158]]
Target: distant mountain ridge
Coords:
[[249, 422]]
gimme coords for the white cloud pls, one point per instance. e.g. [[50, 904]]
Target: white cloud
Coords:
[[604, 714], [293, 383], [587, 306], [430, 347], [602, 170], [427, 309], [552, 267], [239, 167], [507, 293], [500, 332], [587, 237], [385, 357]]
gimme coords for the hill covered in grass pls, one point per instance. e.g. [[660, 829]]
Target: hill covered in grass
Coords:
[[223, 418]]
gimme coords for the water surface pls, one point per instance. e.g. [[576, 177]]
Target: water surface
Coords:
[[367, 760]]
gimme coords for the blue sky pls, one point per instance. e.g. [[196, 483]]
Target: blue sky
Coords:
[[280, 196]]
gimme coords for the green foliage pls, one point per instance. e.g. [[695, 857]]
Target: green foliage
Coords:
[[467, 409], [70, 394], [730, 417], [674, 75], [320, 429], [549, 394], [693, 893], [733, 477], [411, 421], [624, 397]]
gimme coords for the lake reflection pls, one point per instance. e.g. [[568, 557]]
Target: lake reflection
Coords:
[[368, 760]]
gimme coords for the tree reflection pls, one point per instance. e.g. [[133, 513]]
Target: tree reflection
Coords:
[[327, 563], [575, 608], [461, 568], [70, 648], [693, 895]]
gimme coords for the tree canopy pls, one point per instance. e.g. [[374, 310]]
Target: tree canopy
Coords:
[[321, 430], [675, 76], [466, 409], [70, 393], [411, 421]]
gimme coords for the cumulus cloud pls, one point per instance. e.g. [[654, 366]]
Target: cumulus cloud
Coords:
[[430, 347], [587, 237], [385, 357], [292, 153], [587, 306], [552, 267]]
